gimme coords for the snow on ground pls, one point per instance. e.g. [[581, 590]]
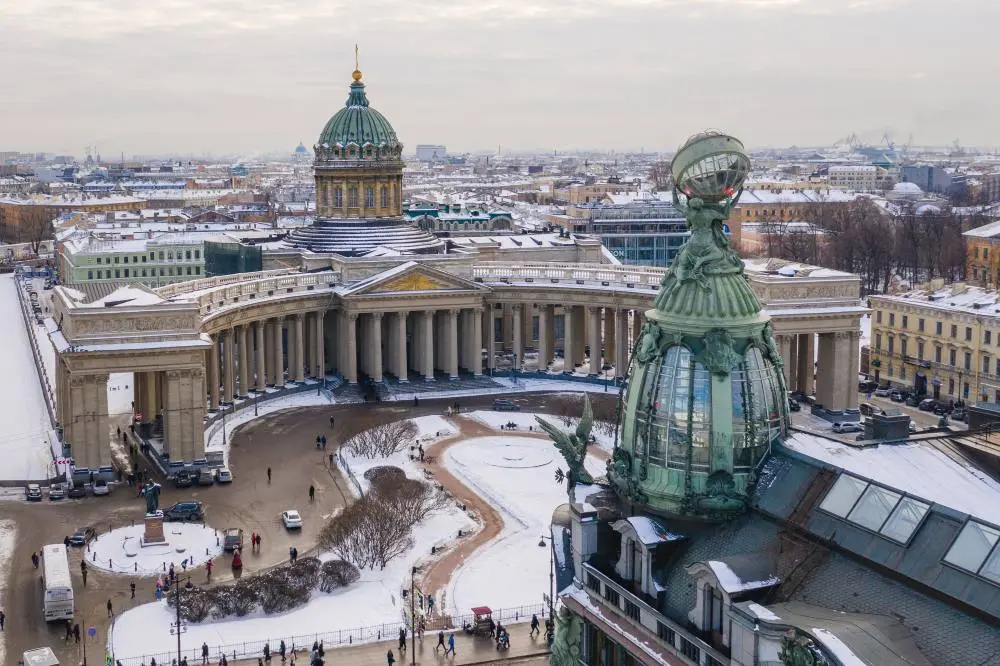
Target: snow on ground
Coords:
[[24, 446], [516, 476], [120, 392], [527, 421], [433, 427], [119, 550], [213, 434], [8, 537], [374, 600]]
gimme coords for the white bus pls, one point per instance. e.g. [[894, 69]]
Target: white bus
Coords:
[[58, 601]]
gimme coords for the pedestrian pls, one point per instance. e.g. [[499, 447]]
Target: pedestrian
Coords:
[[253, 541], [269, 475], [131, 587], [389, 657], [223, 661], [324, 442], [34, 559], [295, 554], [420, 448], [119, 431], [3, 617], [440, 642], [331, 461], [69, 630], [258, 543], [451, 644], [312, 493], [319, 441], [110, 607], [534, 625], [76, 632], [208, 567], [291, 554], [66, 542], [184, 661], [281, 650], [267, 652], [83, 572], [204, 653], [331, 422], [402, 640]]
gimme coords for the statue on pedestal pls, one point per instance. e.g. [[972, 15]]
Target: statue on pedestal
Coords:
[[151, 491]]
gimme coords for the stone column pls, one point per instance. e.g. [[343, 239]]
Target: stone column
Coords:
[[259, 349], [244, 363], [826, 378], [594, 331], [784, 343], [569, 343], [319, 346], [476, 348], [153, 397], [269, 351], [489, 326], [279, 353], [375, 340], [228, 374], [518, 333], [806, 363], [427, 339], [622, 349], [610, 335], [213, 375], [545, 341], [172, 415], [792, 362], [580, 330], [103, 423], [452, 344], [638, 319], [351, 347], [848, 361], [300, 348], [399, 341]]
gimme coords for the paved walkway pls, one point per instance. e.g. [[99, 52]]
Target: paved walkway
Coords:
[[468, 650]]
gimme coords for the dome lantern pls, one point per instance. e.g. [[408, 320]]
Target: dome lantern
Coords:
[[706, 393]]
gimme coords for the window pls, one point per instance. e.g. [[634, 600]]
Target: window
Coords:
[[903, 344], [665, 633], [902, 372], [116, 259], [187, 254], [144, 273], [937, 327], [352, 197], [197, 270], [878, 341], [143, 258], [152, 256], [968, 361], [690, 650], [369, 197], [189, 270], [968, 333], [937, 354], [986, 365], [875, 508], [920, 351], [892, 319], [954, 331], [906, 321], [951, 357], [161, 255], [632, 611], [170, 255], [338, 198], [90, 275], [126, 270], [197, 254], [98, 260], [987, 337], [117, 273], [593, 583], [920, 325], [611, 595], [975, 550], [892, 344], [99, 276], [126, 260], [878, 316]]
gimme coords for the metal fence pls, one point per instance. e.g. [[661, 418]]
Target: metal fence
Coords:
[[350, 475], [329, 639]]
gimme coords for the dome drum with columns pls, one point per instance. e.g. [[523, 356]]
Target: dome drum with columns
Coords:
[[359, 186], [706, 393]]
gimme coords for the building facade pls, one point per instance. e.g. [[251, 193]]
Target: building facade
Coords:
[[151, 262]]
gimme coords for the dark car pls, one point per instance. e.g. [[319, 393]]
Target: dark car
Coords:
[[867, 386], [192, 510], [793, 405], [896, 396], [913, 401], [56, 492], [799, 396], [959, 414], [942, 409], [927, 405], [76, 491], [183, 480], [505, 405], [206, 478], [82, 536]]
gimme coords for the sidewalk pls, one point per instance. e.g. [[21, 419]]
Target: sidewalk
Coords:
[[468, 650]]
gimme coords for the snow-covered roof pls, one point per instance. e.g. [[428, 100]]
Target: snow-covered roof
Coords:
[[129, 296], [986, 231], [956, 297], [649, 531], [744, 573], [907, 188], [929, 469]]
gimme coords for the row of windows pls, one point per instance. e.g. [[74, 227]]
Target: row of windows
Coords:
[[335, 197], [169, 254], [172, 271], [952, 354]]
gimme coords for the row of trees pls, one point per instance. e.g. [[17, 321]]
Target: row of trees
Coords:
[[383, 440], [860, 237], [377, 528], [33, 225]]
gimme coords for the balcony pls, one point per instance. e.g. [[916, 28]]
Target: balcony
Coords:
[[631, 609]]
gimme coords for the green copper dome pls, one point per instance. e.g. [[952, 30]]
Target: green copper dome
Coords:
[[359, 125], [706, 395]]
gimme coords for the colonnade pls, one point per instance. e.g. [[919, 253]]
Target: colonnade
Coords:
[[805, 353], [518, 326]]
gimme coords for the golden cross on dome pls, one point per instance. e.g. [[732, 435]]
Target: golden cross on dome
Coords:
[[356, 75]]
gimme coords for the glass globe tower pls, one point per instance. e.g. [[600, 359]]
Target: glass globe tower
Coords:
[[706, 392]]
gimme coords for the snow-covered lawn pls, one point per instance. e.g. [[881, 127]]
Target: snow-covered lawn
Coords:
[[24, 445], [8, 537], [119, 550], [527, 421], [516, 475], [213, 434]]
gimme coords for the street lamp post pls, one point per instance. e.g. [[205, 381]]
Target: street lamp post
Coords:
[[178, 627], [552, 569], [413, 618]]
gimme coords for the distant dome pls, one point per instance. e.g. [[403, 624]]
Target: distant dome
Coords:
[[301, 149], [361, 126], [928, 209], [907, 188]]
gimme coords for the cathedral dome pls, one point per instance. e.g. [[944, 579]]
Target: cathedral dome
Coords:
[[358, 131]]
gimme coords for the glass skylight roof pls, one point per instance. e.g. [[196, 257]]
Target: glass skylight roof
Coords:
[[975, 550], [875, 508]]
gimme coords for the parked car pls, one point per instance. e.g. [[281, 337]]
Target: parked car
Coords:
[[206, 478], [867, 386], [190, 510], [913, 427], [505, 405], [959, 414], [183, 480], [33, 492], [223, 475], [848, 426], [82, 536], [56, 492], [76, 491], [100, 487], [941, 409], [793, 405], [799, 396], [883, 392], [291, 519], [913, 401], [927, 405], [896, 396], [232, 539]]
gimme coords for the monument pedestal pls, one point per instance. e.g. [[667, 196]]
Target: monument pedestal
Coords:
[[153, 535]]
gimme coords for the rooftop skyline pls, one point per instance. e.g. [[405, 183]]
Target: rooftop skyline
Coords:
[[219, 76]]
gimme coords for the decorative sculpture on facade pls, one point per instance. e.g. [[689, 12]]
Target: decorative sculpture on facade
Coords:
[[151, 491], [573, 446], [719, 355], [566, 643]]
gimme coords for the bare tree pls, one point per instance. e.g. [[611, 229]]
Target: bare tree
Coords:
[[35, 226], [660, 177], [382, 440]]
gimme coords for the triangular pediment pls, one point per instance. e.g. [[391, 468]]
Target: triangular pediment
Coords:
[[413, 277]]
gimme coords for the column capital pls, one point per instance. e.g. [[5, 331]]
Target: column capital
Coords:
[[453, 312], [403, 314], [377, 315], [298, 316], [279, 318], [351, 316]]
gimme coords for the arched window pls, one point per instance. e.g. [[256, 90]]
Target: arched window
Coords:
[[326, 195], [369, 197], [385, 197], [352, 197], [338, 197], [395, 196]]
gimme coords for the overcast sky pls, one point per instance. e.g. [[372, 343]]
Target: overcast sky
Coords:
[[243, 76]]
